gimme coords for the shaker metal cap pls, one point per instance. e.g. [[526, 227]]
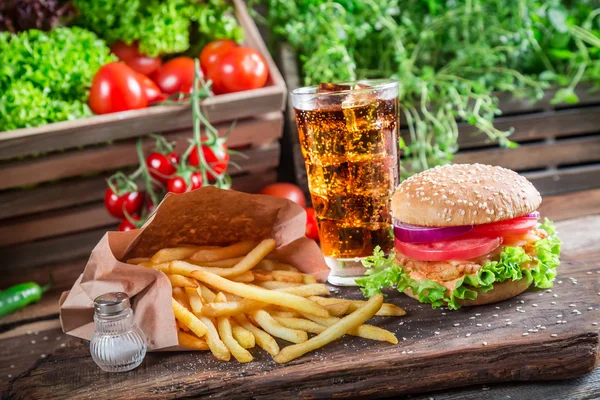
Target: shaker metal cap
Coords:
[[111, 303]]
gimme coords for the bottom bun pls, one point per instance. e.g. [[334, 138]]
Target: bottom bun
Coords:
[[501, 291]]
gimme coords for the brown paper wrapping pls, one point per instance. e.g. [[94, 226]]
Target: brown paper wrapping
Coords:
[[207, 216]]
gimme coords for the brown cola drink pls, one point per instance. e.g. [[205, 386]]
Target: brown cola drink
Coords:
[[349, 142]]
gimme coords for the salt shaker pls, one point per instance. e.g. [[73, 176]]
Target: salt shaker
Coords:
[[118, 344]]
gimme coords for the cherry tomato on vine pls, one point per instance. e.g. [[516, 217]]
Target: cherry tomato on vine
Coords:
[[126, 225], [285, 191], [213, 52], [173, 157], [177, 184], [115, 87], [312, 231], [215, 156], [175, 74], [129, 201], [160, 166], [242, 68], [130, 55], [152, 92]]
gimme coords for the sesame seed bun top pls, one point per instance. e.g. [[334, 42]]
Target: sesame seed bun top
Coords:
[[463, 194]]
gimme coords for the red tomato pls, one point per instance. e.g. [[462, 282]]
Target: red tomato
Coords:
[[285, 191], [312, 231], [177, 184], [215, 156], [213, 52], [130, 201], [242, 68], [187, 88], [451, 249], [160, 167], [131, 56], [152, 92], [126, 226], [174, 74], [173, 157], [512, 227], [116, 88]]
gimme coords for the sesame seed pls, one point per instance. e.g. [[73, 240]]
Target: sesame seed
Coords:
[[479, 324], [410, 352], [543, 328], [471, 317], [553, 303], [590, 308], [594, 323], [534, 305], [489, 325], [9, 375], [63, 344], [468, 334], [495, 315], [555, 295], [525, 334], [559, 316], [33, 342], [541, 294], [507, 319], [484, 343], [509, 323], [456, 324], [589, 272], [43, 356], [12, 365], [497, 308], [443, 313], [477, 315], [554, 335], [572, 305], [548, 290], [45, 338]]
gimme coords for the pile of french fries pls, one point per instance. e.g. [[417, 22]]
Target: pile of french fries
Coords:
[[230, 299]]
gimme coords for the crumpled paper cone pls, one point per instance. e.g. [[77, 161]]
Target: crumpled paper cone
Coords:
[[207, 216]]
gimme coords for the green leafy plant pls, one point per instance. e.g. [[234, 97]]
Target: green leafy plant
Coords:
[[45, 76], [450, 57], [160, 26], [383, 272]]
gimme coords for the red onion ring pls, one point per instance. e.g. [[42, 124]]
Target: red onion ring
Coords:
[[532, 215], [422, 234]]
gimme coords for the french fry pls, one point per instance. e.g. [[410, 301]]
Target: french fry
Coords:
[[138, 260], [180, 295], [280, 276], [338, 309], [387, 309], [164, 267], [300, 323], [224, 326], [207, 294], [333, 332], [230, 308], [175, 253], [215, 344], [227, 263], [187, 318], [313, 289], [273, 285], [244, 337], [222, 253], [266, 296], [246, 277], [309, 279], [365, 331], [191, 341], [274, 328], [274, 265], [284, 313], [245, 264], [263, 339], [181, 281]]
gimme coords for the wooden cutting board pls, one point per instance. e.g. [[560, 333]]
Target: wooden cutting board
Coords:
[[438, 349]]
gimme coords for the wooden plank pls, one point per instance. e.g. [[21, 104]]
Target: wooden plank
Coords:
[[571, 205], [353, 367], [112, 157], [549, 124], [510, 104], [55, 223], [538, 155], [103, 128], [563, 180], [19, 353]]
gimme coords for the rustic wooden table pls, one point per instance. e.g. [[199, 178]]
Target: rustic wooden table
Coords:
[[31, 337]]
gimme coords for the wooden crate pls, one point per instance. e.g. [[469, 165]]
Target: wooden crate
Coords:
[[559, 145], [53, 177]]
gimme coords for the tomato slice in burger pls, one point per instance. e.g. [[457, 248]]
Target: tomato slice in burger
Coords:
[[452, 249], [511, 227]]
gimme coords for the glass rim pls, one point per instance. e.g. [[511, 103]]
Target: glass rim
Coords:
[[374, 84]]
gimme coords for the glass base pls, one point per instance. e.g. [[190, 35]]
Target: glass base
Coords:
[[344, 271]]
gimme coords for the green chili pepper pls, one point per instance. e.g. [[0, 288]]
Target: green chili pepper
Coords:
[[18, 296]]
